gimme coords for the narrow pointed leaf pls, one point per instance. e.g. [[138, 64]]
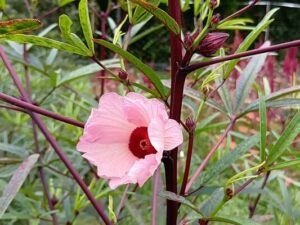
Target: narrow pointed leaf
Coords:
[[148, 71], [262, 127], [87, 71], [247, 78], [65, 24], [16, 182], [228, 159], [250, 39], [288, 164], [86, 23], [286, 139], [44, 42], [161, 15], [18, 26], [172, 196]]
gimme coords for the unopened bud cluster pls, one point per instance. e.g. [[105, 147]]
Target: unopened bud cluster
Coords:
[[209, 45]]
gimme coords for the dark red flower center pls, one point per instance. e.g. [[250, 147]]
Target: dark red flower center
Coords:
[[139, 143]]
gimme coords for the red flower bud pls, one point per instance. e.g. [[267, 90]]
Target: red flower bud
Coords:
[[190, 124], [211, 43], [123, 75], [214, 4], [188, 40], [216, 18]]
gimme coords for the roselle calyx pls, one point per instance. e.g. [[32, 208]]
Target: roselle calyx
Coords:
[[211, 43], [214, 4], [188, 40], [216, 18], [190, 124], [123, 75]]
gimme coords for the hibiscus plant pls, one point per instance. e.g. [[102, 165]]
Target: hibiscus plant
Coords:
[[171, 136]]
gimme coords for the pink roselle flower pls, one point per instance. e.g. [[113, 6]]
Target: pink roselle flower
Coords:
[[125, 138]]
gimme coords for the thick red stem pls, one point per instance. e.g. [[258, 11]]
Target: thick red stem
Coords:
[[177, 84]]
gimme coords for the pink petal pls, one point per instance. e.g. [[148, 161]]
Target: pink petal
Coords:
[[165, 135], [140, 110], [140, 172], [172, 134], [112, 161], [136, 112], [156, 134], [108, 124]]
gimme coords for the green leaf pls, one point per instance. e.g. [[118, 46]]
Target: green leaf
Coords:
[[18, 26], [2, 4], [285, 140], [87, 71], [16, 182], [225, 96], [283, 165], [250, 39], [86, 24], [140, 14], [262, 127], [62, 3], [161, 15], [195, 95], [227, 160], [148, 71], [211, 203], [44, 42], [233, 220], [247, 78], [279, 103], [172, 196], [145, 33], [13, 149], [65, 24]]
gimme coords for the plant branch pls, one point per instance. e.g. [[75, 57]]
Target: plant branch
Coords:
[[209, 155], [240, 12], [36, 141], [39, 110], [193, 67], [53, 142], [252, 208], [187, 162], [12, 108]]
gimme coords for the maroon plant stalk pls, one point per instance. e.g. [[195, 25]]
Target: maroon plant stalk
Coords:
[[53, 142], [209, 155], [36, 142], [103, 21], [170, 158], [43, 178], [39, 110], [241, 11], [193, 67], [187, 163], [12, 108], [252, 208]]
